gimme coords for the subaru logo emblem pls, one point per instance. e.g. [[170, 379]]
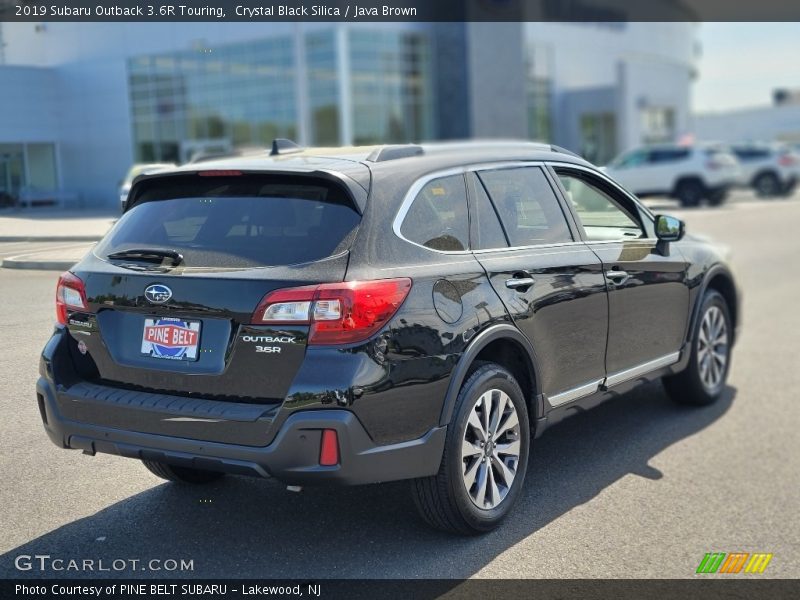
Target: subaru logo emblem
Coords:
[[157, 293]]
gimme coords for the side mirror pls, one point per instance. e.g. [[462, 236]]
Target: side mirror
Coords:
[[669, 229]]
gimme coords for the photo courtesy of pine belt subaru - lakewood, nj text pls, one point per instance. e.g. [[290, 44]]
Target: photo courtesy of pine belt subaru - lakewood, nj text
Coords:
[[362, 315]]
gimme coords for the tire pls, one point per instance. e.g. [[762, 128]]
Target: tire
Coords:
[[181, 474], [698, 384], [445, 501], [690, 192], [717, 198], [767, 185]]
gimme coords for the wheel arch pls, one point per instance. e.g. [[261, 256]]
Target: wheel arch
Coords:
[[720, 279], [769, 171], [505, 345], [765, 171], [687, 177]]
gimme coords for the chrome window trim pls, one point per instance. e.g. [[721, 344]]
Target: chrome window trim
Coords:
[[411, 195], [643, 241], [420, 183], [555, 246], [607, 179]]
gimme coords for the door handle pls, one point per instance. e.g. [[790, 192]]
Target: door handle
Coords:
[[521, 281], [618, 277]]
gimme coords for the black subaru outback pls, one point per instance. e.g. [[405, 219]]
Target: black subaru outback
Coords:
[[376, 314]]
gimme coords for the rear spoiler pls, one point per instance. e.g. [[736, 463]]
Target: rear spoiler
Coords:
[[354, 189]]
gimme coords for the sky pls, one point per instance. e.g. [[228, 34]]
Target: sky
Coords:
[[742, 63]]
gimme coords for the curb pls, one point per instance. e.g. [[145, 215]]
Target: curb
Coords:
[[48, 259], [37, 265], [50, 238]]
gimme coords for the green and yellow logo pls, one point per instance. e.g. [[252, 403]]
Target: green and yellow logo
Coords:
[[734, 562]]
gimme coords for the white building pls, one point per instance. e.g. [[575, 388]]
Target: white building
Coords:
[[83, 101], [757, 124]]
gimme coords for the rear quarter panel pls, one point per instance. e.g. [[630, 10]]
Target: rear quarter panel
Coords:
[[404, 385]]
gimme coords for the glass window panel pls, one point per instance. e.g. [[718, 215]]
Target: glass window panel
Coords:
[[42, 166], [527, 205], [489, 232], [603, 218], [438, 216]]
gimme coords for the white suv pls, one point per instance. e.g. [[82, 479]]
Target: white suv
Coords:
[[688, 173], [770, 169]]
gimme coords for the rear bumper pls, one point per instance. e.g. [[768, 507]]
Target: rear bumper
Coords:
[[292, 456]]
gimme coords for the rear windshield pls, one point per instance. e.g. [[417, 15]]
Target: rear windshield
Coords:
[[236, 221]]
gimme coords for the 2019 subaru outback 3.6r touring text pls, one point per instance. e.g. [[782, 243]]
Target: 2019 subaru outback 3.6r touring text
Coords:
[[368, 315]]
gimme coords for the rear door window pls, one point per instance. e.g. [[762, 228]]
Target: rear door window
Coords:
[[236, 221], [438, 216], [486, 229], [667, 155], [747, 154], [527, 205]]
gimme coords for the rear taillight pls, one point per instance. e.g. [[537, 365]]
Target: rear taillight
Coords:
[[787, 160], [338, 313], [219, 173], [70, 296]]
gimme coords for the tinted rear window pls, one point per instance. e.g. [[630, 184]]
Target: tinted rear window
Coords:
[[663, 155], [751, 153], [237, 222], [527, 206], [438, 217]]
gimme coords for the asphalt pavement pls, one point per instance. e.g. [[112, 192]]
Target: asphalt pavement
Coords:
[[55, 224], [638, 487], [42, 255]]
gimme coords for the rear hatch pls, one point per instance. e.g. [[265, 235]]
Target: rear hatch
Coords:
[[172, 291], [723, 168]]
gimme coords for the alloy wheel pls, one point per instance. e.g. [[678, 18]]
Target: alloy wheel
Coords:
[[712, 348], [768, 185], [490, 449]]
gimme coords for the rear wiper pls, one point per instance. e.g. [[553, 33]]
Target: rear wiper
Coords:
[[148, 255]]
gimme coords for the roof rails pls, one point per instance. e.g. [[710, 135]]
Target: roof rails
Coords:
[[281, 146], [561, 150], [395, 151]]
